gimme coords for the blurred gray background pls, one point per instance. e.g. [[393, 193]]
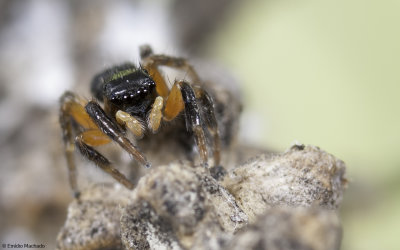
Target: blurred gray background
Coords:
[[318, 72]]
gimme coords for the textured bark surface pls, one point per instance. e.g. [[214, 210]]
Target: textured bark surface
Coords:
[[282, 201], [302, 176]]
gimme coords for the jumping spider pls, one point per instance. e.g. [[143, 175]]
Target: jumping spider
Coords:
[[137, 99]]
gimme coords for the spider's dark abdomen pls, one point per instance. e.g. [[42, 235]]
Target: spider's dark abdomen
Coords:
[[133, 92]]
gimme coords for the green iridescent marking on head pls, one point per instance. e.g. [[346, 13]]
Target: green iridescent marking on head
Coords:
[[122, 73]]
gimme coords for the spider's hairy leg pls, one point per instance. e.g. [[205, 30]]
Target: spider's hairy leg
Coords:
[[101, 161], [207, 107], [69, 148], [155, 115], [132, 123], [182, 97], [111, 129], [72, 110], [95, 137], [151, 63], [73, 107], [161, 86], [172, 62], [193, 119]]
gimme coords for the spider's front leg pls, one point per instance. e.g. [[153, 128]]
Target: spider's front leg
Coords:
[[92, 128], [75, 120], [93, 155], [182, 97], [111, 129]]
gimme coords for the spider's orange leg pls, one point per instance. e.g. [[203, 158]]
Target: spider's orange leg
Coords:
[[72, 110], [151, 62], [94, 137], [161, 86], [69, 146], [172, 62], [149, 65], [73, 113], [182, 97], [174, 104]]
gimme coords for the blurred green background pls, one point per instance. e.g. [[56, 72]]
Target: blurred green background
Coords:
[[327, 73]]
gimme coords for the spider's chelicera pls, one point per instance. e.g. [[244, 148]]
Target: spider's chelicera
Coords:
[[135, 99]]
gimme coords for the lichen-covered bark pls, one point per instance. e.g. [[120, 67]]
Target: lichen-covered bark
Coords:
[[283, 228], [174, 205], [283, 201], [93, 221], [302, 176]]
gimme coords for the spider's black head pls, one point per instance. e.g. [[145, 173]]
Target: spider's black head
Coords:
[[126, 88]]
